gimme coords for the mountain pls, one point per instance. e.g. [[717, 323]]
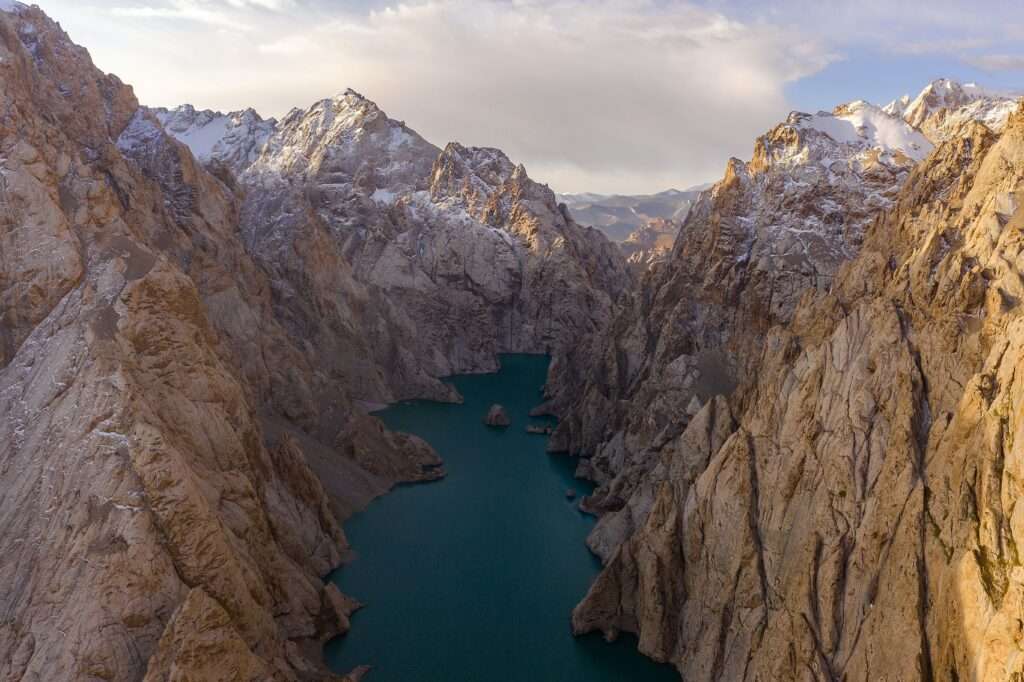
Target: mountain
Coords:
[[196, 308], [233, 139], [801, 417], [460, 244], [144, 515], [750, 247], [943, 106], [649, 244], [619, 215], [802, 425]]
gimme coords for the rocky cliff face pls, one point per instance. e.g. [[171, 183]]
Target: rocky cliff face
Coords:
[[448, 256], [771, 229], [858, 488], [159, 515], [138, 488], [192, 307]]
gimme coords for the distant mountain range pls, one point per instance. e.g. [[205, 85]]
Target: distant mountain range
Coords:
[[618, 215]]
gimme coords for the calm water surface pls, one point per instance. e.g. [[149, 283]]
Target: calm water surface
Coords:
[[473, 578]]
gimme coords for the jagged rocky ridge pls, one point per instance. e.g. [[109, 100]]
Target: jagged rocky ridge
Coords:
[[465, 254], [754, 244], [186, 339], [859, 488]]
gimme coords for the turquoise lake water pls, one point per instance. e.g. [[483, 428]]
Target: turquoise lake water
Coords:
[[473, 578]]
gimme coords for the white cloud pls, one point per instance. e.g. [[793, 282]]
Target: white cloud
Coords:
[[936, 46], [997, 62], [274, 5], [293, 44], [612, 95], [190, 10]]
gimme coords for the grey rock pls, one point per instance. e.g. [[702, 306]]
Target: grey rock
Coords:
[[496, 416]]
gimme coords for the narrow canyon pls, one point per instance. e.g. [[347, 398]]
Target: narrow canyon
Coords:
[[788, 399]]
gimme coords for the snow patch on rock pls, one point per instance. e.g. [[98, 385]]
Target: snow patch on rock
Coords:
[[860, 123]]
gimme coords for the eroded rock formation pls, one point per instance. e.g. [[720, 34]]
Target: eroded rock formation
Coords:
[[802, 423], [850, 512], [189, 326], [770, 232], [142, 511], [445, 257]]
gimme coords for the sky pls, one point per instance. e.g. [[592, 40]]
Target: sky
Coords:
[[611, 96]]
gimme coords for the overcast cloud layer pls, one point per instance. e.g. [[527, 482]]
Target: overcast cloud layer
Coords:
[[618, 95]]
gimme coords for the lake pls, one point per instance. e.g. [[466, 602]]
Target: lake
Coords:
[[473, 578]]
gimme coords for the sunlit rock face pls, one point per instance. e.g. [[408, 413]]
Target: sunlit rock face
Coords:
[[772, 229], [857, 489], [138, 488]]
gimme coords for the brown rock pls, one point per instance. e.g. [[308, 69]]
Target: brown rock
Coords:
[[201, 644], [865, 495], [337, 611]]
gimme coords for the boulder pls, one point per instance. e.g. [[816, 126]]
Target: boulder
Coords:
[[496, 416]]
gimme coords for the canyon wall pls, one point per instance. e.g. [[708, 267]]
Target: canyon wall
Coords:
[[188, 339], [802, 419], [849, 511]]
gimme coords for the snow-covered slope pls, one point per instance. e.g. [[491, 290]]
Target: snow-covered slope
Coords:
[[865, 127], [234, 138], [944, 105]]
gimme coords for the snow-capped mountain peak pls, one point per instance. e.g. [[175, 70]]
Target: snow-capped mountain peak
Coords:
[[942, 93], [864, 125], [944, 105], [897, 106], [856, 135], [350, 144], [234, 138]]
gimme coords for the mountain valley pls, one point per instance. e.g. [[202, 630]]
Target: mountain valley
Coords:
[[793, 392]]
